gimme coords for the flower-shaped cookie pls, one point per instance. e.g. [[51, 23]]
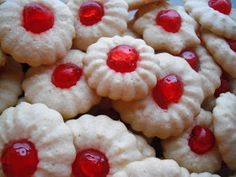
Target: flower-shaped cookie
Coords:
[[36, 31], [97, 18], [196, 148], [201, 61], [11, 76], [225, 127], [61, 86], [2, 58], [34, 141], [104, 146], [222, 50], [171, 106], [205, 174], [167, 28], [214, 15], [153, 167], [121, 68]]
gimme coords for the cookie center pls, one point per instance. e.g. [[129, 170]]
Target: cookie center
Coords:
[[90, 13], [66, 75], [123, 58], [222, 6], [169, 20], [224, 86], [232, 44], [90, 163], [167, 90], [192, 59], [37, 18], [19, 158], [201, 140]]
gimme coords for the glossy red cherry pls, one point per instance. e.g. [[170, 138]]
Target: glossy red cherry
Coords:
[[224, 86], [123, 58], [90, 163], [167, 90], [201, 140], [37, 18], [90, 13], [192, 59], [223, 6], [170, 20], [66, 75], [232, 44], [19, 159]]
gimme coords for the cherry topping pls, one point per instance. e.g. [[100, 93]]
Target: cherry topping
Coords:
[[90, 13], [123, 58], [192, 59], [170, 20], [224, 86], [232, 44], [90, 163], [223, 6], [19, 159], [37, 18], [167, 90], [201, 140], [66, 75]]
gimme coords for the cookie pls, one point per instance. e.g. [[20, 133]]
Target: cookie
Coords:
[[195, 149], [36, 40], [218, 16], [34, 141], [172, 104], [96, 19], [104, 144], [121, 68], [225, 127], [11, 76], [61, 86]]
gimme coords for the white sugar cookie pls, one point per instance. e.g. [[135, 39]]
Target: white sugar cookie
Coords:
[[121, 68], [225, 127], [196, 148], [36, 40], [39, 131], [110, 18], [11, 76], [151, 117]]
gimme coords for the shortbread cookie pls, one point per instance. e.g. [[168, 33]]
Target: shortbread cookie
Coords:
[[153, 167], [202, 62], [11, 76], [214, 15], [168, 28], [205, 174], [103, 144], [196, 148], [121, 68], [225, 127], [2, 58], [36, 31], [96, 19], [171, 106], [61, 86], [34, 141]]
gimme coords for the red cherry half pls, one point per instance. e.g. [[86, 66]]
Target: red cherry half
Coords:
[[90, 163], [222, 6], [201, 140], [66, 75], [192, 59], [19, 159], [37, 18]]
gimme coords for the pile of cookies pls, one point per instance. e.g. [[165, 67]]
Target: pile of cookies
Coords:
[[99, 92]]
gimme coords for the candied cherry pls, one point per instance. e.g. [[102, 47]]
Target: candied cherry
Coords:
[[37, 18], [192, 59], [19, 158], [123, 58], [90, 163], [232, 44], [170, 20], [90, 13], [66, 75], [167, 90], [224, 86], [201, 140], [222, 6]]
